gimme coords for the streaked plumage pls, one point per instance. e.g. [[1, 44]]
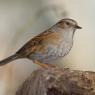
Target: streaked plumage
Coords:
[[50, 45]]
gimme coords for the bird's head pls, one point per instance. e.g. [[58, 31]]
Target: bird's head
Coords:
[[68, 24]]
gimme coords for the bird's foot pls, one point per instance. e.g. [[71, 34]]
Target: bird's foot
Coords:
[[44, 65]]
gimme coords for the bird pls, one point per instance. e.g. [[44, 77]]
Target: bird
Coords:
[[48, 46]]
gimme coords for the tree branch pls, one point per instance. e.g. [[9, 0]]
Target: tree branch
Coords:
[[57, 81]]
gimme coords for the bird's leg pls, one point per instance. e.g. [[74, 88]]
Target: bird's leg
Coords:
[[44, 65]]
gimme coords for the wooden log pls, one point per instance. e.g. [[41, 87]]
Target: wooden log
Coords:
[[58, 81]]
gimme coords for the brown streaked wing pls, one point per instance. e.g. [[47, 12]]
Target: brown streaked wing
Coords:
[[32, 44]]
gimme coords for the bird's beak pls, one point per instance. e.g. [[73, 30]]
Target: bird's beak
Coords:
[[78, 27]]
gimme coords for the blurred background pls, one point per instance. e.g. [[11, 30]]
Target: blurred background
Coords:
[[20, 20]]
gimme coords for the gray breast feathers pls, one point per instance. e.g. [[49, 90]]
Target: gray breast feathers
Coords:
[[64, 46], [60, 50]]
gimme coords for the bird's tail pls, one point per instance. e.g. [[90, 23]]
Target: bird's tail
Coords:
[[9, 59]]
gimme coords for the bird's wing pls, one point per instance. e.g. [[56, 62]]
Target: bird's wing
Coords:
[[32, 44]]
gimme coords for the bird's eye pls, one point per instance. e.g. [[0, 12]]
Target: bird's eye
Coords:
[[67, 23]]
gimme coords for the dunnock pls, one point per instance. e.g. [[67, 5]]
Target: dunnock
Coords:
[[50, 45]]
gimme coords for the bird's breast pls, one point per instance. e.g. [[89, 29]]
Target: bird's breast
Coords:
[[59, 50], [59, 43]]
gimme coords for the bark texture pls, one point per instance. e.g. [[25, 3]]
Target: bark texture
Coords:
[[58, 81]]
